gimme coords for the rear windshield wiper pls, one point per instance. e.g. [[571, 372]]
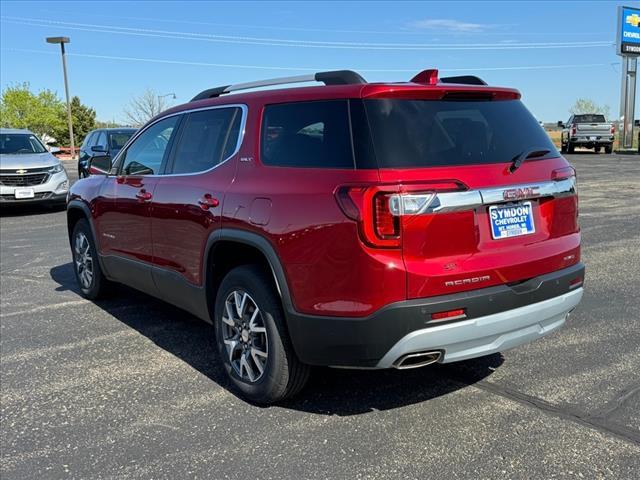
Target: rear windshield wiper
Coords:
[[519, 159]]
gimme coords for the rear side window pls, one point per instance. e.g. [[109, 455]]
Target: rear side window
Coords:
[[424, 133], [208, 137], [307, 134]]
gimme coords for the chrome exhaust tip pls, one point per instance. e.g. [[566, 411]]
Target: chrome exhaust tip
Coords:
[[418, 359]]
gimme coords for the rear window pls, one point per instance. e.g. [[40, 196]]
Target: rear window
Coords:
[[589, 118], [307, 134], [425, 133]]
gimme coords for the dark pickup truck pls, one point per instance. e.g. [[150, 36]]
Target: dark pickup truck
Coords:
[[589, 130]]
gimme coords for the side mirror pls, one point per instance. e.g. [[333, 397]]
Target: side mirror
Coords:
[[99, 149], [100, 165], [560, 124], [54, 150]]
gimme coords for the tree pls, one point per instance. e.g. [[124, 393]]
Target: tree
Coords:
[[586, 105], [84, 120], [42, 113], [143, 108]]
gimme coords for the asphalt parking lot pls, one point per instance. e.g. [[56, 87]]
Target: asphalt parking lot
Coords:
[[130, 387]]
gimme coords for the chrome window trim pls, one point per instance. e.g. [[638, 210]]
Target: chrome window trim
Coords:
[[472, 199], [241, 132]]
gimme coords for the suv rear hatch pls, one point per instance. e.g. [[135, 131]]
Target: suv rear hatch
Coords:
[[464, 213]]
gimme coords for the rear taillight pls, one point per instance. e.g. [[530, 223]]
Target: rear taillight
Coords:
[[613, 129], [573, 129], [385, 224], [563, 173], [379, 209]]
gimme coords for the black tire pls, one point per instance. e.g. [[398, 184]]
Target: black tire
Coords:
[[563, 147], [570, 147], [597, 149], [608, 149], [283, 374], [98, 286]]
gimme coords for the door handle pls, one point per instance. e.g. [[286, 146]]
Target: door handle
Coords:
[[143, 195], [207, 202]]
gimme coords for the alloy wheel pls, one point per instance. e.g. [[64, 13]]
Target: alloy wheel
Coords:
[[83, 260], [244, 336]]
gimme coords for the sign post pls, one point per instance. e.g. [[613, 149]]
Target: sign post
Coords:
[[628, 47]]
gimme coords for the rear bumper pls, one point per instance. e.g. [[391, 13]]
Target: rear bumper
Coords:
[[497, 318], [596, 140], [489, 334]]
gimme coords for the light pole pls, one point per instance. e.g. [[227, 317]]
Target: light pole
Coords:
[[62, 41], [160, 97]]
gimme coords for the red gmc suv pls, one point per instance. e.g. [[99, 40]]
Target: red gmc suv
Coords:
[[353, 224]]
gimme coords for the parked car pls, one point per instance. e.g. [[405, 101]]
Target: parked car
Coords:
[[360, 225], [29, 173], [588, 131], [104, 141]]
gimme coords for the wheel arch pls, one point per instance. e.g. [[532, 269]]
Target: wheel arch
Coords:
[[228, 248]]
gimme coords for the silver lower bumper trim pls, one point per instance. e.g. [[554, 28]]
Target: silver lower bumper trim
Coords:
[[490, 334]]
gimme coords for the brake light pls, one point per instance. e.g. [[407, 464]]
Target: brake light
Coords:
[[573, 129], [379, 209], [563, 173], [386, 225], [613, 129]]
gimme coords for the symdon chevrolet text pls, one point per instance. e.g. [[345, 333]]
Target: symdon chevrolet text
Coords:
[[352, 224]]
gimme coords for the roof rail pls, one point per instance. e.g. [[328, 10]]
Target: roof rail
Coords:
[[464, 80], [336, 77]]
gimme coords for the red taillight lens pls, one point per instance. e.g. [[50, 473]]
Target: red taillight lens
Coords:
[[563, 173], [380, 210], [386, 225], [613, 129], [449, 315], [573, 130], [369, 206]]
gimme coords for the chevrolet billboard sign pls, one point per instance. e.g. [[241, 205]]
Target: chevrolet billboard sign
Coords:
[[628, 31]]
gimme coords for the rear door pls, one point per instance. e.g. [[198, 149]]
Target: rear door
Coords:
[[188, 200], [125, 205], [466, 220]]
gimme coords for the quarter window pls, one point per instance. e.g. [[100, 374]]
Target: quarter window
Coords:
[[208, 138], [147, 152], [307, 134]]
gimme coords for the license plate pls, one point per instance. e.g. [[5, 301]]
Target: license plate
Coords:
[[593, 139], [23, 193], [511, 220]]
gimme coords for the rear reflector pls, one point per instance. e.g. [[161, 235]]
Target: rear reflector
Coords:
[[449, 315], [575, 283]]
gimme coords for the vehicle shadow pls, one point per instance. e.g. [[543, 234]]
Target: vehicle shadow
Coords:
[[29, 210], [329, 391]]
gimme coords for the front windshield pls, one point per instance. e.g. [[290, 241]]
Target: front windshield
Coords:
[[118, 139], [20, 143]]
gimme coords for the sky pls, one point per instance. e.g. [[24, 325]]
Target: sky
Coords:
[[553, 52]]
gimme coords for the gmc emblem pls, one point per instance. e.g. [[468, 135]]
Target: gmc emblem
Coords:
[[520, 193]]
